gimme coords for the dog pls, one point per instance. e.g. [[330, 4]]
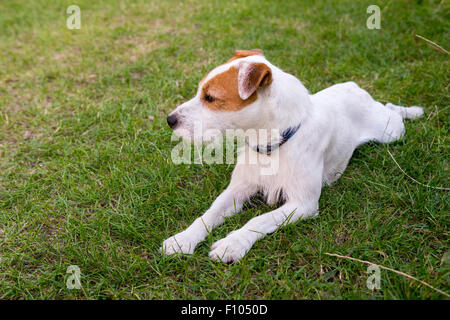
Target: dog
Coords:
[[318, 134]]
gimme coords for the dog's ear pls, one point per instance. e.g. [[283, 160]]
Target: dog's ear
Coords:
[[252, 76]]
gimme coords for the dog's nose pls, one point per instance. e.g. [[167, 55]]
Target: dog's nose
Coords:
[[172, 120]]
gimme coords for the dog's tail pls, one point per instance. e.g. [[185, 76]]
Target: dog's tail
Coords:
[[406, 112]]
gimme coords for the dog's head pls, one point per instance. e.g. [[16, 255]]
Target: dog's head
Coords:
[[232, 96]]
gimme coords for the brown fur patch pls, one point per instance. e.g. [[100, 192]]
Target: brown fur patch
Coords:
[[245, 53], [221, 92]]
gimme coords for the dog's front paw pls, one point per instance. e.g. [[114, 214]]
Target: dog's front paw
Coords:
[[179, 243], [230, 249]]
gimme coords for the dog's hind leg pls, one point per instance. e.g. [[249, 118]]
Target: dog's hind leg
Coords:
[[229, 202], [385, 123], [412, 113], [372, 120]]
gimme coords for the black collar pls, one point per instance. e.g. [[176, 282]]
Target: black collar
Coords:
[[285, 136]]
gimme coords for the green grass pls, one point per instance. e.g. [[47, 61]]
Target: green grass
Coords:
[[86, 177]]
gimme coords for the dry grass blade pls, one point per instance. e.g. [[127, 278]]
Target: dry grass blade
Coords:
[[389, 269], [422, 184], [433, 44]]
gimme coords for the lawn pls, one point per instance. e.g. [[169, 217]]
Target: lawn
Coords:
[[86, 176]]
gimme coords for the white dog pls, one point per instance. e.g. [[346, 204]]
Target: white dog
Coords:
[[318, 134]]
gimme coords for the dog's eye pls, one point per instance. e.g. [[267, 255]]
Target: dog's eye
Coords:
[[209, 98]]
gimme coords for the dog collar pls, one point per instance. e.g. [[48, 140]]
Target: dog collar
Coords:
[[285, 136]]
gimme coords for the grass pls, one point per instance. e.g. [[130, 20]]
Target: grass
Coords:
[[85, 171]]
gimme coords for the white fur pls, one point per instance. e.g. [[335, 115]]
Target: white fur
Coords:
[[333, 121]]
